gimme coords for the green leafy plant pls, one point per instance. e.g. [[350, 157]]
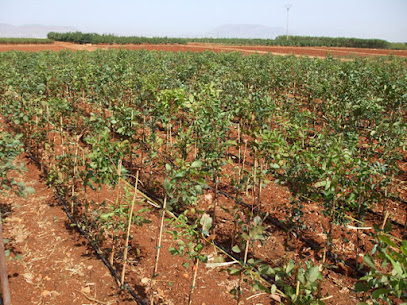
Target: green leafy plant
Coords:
[[194, 245], [386, 280], [10, 148]]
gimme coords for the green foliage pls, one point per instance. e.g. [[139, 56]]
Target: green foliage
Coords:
[[330, 131], [386, 280], [104, 159], [308, 41], [299, 41], [95, 38], [188, 237], [25, 41], [185, 183], [300, 283], [10, 148]]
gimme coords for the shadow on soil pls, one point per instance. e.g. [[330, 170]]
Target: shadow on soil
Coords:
[[81, 241]]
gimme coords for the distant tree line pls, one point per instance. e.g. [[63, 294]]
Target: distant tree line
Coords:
[[25, 41], [82, 38], [298, 41], [309, 41]]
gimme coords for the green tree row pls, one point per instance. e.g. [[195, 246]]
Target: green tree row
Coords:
[[299, 41], [79, 37], [25, 41]]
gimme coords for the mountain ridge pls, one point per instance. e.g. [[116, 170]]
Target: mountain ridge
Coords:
[[31, 30]]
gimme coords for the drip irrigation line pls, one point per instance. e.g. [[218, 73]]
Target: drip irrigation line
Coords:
[[277, 223], [272, 220], [63, 202], [149, 196]]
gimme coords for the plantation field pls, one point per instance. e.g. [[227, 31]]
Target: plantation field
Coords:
[[200, 47], [218, 178]]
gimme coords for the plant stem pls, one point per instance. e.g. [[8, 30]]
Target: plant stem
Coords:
[[215, 203], [126, 246], [74, 171], [3, 269], [260, 188], [239, 292], [118, 186]]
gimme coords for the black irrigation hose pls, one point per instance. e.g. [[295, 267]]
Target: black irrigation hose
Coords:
[[63, 202], [392, 197], [280, 225], [273, 221], [228, 251]]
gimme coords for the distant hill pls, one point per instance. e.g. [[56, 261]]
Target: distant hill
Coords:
[[31, 30], [245, 31]]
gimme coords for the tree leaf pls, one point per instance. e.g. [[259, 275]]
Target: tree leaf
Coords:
[[173, 251], [404, 247], [266, 270], [313, 274], [359, 287], [274, 166], [106, 216], [387, 240], [369, 261], [196, 164], [206, 223], [320, 184], [378, 292], [236, 249], [30, 190], [234, 271], [396, 265], [167, 185]]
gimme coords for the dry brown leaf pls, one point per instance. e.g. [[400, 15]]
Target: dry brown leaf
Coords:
[[275, 297], [86, 290]]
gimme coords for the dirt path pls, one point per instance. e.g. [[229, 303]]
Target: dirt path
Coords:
[[49, 262], [200, 47]]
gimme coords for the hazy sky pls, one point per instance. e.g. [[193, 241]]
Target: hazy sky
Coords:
[[386, 19]]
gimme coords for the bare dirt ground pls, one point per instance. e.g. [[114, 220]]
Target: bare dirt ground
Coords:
[[49, 262], [197, 47]]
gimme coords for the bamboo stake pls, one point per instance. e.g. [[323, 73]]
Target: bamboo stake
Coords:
[[240, 151], [62, 136], [386, 216], [119, 171], [193, 281], [158, 250], [357, 234], [128, 231]]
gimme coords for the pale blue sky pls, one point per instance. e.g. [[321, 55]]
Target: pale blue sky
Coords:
[[386, 19]]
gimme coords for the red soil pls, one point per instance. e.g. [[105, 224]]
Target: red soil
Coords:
[[197, 47]]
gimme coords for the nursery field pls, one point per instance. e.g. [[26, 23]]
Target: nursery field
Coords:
[[337, 52], [217, 178]]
